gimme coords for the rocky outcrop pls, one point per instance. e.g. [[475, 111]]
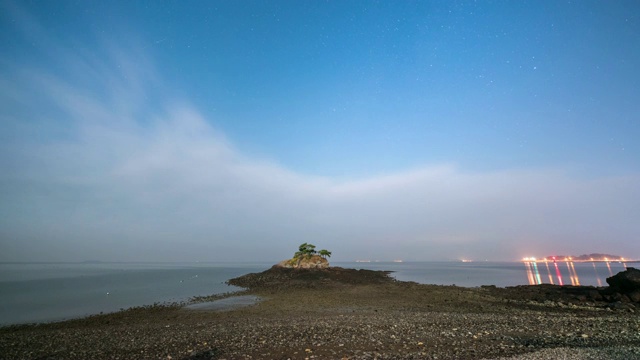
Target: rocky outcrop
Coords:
[[623, 287], [623, 293], [311, 262], [626, 281], [280, 278]]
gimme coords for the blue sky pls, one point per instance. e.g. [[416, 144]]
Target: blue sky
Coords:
[[415, 130]]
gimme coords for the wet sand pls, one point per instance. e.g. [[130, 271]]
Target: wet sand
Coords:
[[225, 304], [348, 314]]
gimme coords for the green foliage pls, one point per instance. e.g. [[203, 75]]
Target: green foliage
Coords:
[[308, 250], [305, 250]]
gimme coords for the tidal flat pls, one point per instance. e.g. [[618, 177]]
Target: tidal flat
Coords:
[[340, 313]]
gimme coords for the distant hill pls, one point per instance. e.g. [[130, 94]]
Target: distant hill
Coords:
[[594, 256]]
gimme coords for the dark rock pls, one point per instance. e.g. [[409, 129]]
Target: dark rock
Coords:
[[608, 291], [281, 278], [634, 296], [595, 295], [626, 281], [612, 296], [618, 305]]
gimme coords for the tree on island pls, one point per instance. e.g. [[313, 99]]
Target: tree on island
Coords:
[[308, 250], [308, 253], [324, 253], [305, 251]]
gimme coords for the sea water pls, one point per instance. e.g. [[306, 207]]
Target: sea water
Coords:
[[53, 292], [58, 291], [501, 274]]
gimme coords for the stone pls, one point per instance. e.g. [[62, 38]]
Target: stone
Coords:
[[626, 281], [614, 297], [634, 296], [595, 295]]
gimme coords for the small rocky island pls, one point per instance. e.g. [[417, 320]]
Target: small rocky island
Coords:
[[310, 310], [307, 258]]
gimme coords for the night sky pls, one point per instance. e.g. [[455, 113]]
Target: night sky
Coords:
[[236, 130]]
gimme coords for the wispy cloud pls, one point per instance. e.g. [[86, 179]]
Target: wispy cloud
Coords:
[[95, 166]]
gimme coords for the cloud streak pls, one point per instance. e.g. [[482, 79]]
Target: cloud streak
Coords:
[[95, 169]]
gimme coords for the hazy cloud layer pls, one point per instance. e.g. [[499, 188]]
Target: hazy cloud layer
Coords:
[[92, 170]]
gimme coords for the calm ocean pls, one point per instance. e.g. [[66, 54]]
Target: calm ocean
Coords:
[[52, 292]]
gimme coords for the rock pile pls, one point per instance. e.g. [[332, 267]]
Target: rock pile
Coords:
[[623, 286], [623, 293]]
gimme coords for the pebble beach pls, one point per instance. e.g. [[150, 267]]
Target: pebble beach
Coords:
[[346, 314]]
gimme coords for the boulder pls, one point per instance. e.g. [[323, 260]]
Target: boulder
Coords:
[[625, 281]]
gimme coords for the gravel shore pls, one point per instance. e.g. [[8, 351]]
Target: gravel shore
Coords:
[[347, 314]]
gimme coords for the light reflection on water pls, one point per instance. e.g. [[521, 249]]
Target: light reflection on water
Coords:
[[468, 274], [471, 274], [577, 273]]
